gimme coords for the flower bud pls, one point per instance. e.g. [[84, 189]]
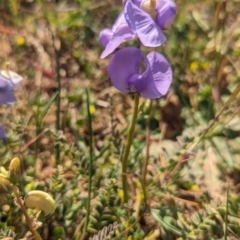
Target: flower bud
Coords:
[[14, 165], [14, 168], [166, 13]]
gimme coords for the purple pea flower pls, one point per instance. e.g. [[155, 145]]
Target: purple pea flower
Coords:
[[149, 19], [2, 132], [112, 38], [130, 71], [8, 81]]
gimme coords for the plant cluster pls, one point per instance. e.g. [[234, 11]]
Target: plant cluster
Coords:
[[150, 153]]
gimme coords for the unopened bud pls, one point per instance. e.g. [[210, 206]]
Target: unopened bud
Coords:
[[14, 168], [166, 12]]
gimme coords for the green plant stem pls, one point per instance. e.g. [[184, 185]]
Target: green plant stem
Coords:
[[28, 220], [226, 216], [58, 78], [58, 97], [145, 164], [90, 161], [128, 146]]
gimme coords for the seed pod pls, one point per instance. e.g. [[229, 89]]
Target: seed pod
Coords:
[[40, 200]]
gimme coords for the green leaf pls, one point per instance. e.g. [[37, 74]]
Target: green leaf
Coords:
[[166, 222], [47, 106]]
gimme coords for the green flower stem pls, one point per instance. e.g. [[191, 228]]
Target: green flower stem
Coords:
[[28, 220], [145, 163], [128, 146], [58, 78], [90, 173]]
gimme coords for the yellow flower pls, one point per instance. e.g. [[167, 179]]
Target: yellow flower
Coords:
[[20, 40], [92, 109], [194, 66]]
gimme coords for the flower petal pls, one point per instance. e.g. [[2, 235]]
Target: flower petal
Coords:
[[2, 132], [7, 97], [105, 36], [122, 33], [138, 82], [5, 85], [6, 91], [166, 13], [119, 21], [13, 77], [143, 25], [159, 77], [124, 64], [136, 2]]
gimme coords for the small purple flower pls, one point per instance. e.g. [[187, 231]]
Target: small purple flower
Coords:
[[2, 133], [130, 71], [149, 19], [8, 81], [112, 38]]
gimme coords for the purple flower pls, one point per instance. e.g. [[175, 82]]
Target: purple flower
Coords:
[[8, 81], [149, 19], [2, 132], [130, 71], [112, 38]]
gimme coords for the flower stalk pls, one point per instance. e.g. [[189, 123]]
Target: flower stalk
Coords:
[[90, 173], [128, 147], [23, 209], [145, 163]]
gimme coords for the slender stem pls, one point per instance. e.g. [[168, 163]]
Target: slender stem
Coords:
[[58, 77], [145, 164], [90, 162], [226, 216], [58, 98], [128, 146], [28, 220]]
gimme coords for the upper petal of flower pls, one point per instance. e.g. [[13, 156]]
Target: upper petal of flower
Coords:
[[11, 76], [2, 132], [124, 64], [143, 25], [159, 78], [166, 13], [122, 33]]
